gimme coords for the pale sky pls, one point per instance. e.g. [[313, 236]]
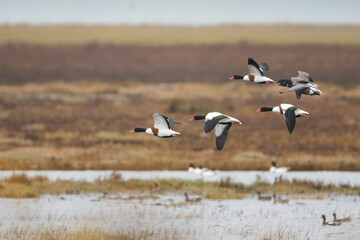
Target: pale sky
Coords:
[[183, 12]]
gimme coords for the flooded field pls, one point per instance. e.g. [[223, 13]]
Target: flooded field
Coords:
[[167, 216], [245, 177], [156, 213]]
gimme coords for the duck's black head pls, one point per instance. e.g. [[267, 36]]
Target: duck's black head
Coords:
[[138, 130], [197, 117], [237, 77], [273, 163], [191, 165], [264, 109]]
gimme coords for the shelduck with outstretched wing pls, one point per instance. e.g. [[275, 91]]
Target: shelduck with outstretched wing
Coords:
[[222, 124], [257, 74], [162, 127], [290, 113]]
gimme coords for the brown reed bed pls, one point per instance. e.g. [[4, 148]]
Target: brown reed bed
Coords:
[[66, 126]]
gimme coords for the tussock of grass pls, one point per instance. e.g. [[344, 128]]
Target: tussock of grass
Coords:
[[284, 233]]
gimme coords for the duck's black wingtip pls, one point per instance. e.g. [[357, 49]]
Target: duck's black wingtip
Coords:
[[251, 61]]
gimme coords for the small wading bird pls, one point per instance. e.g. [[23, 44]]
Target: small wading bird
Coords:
[[162, 127], [194, 170], [206, 172], [191, 167], [302, 84], [289, 111], [347, 219], [280, 200], [187, 199], [329, 223], [262, 197], [257, 74], [200, 170], [279, 170], [221, 122]]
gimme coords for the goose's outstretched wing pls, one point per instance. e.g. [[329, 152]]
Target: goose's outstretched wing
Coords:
[[210, 124], [302, 77], [221, 133], [297, 87], [254, 68], [290, 118]]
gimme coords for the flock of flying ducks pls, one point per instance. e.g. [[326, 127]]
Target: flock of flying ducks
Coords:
[[302, 84]]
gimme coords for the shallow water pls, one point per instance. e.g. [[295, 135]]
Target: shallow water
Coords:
[[245, 177], [168, 214]]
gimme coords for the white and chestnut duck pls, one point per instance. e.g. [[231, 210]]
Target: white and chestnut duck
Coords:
[[221, 122], [329, 223], [191, 167], [257, 74], [289, 111], [206, 172], [279, 170], [162, 127]]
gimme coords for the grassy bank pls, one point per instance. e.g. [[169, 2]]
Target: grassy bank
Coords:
[[21, 186], [166, 35]]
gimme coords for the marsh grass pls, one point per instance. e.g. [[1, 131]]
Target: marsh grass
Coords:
[[285, 233], [81, 129], [21, 186]]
